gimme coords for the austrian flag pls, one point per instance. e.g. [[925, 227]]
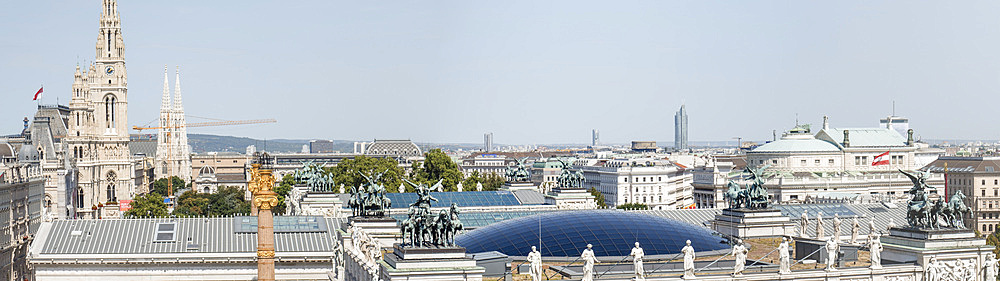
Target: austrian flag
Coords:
[[880, 159]]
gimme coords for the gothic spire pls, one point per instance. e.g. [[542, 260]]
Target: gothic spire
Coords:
[[178, 107], [165, 104], [109, 38]]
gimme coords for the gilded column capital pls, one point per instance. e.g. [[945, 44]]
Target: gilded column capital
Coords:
[[265, 200], [265, 253]]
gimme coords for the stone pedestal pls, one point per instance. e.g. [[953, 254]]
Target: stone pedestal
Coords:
[[915, 245], [512, 186], [745, 223], [385, 230], [429, 263], [571, 198]]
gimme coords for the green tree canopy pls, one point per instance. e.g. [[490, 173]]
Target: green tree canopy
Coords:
[[283, 188], [633, 206], [227, 201], [490, 181], [346, 172], [149, 205], [598, 197], [437, 166], [160, 186]]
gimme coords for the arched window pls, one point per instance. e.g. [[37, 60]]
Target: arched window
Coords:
[[79, 199], [109, 110], [111, 187]]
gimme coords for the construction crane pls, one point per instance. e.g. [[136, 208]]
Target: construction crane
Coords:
[[170, 182]]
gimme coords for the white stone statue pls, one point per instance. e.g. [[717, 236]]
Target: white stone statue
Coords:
[[891, 224], [875, 250], [784, 257], [855, 228], [479, 186], [932, 271], [460, 187], [832, 248], [342, 188], [535, 259], [637, 254], [589, 259], [990, 268], [688, 252], [819, 226], [740, 252], [836, 228], [402, 188], [803, 223], [871, 226]]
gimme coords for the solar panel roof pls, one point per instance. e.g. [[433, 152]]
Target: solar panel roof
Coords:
[[464, 199]]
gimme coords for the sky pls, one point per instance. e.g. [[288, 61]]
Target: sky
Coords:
[[531, 72]]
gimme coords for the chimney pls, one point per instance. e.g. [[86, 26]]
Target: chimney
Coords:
[[847, 138]]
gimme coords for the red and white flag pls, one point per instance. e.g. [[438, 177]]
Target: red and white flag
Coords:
[[879, 159], [39, 93]]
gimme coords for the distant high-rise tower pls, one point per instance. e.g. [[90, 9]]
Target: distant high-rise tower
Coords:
[[488, 142], [595, 136], [172, 148], [681, 129]]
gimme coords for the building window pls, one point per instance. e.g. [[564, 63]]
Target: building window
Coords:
[[830, 161], [817, 162], [79, 199], [111, 187], [803, 162]]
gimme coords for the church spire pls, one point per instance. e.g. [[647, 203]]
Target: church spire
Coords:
[[178, 107], [165, 104]]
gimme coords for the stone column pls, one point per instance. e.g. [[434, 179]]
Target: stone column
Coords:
[[264, 199]]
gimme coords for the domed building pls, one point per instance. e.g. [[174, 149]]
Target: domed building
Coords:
[[612, 233]]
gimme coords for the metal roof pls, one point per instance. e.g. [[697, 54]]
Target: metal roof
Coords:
[[529, 197], [797, 145], [192, 235], [864, 137]]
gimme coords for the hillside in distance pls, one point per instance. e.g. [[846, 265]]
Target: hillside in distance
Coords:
[[201, 143]]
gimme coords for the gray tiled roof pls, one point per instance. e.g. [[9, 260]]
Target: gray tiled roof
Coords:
[[147, 147], [136, 236]]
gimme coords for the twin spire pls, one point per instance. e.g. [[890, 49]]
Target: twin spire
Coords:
[[166, 104]]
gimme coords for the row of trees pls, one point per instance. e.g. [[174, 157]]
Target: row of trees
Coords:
[[226, 201], [436, 166]]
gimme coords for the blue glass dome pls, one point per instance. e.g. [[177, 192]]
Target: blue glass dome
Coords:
[[613, 233]]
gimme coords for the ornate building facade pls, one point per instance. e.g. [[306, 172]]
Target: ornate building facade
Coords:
[[98, 135], [173, 155]]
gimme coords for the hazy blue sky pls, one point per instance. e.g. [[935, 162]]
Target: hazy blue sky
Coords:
[[529, 71]]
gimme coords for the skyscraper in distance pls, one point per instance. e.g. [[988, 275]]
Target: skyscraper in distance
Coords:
[[488, 142], [681, 129], [595, 136]]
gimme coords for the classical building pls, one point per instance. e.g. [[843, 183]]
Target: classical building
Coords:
[[832, 164], [485, 164], [681, 129], [98, 135], [22, 186], [979, 179], [216, 169], [657, 183], [173, 154]]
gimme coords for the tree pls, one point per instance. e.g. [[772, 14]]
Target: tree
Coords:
[[160, 186], [493, 182], [282, 190], [346, 172], [633, 206], [149, 205], [994, 240], [437, 166], [192, 204], [226, 201], [598, 197]]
